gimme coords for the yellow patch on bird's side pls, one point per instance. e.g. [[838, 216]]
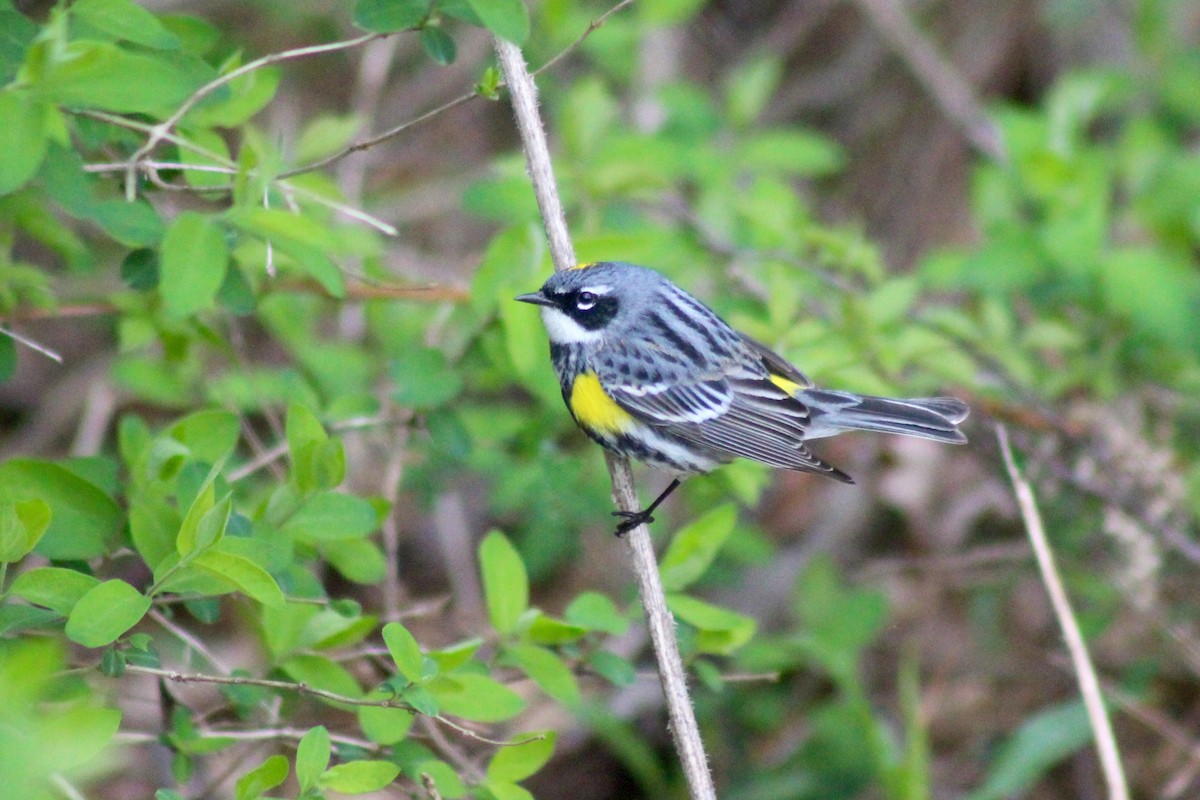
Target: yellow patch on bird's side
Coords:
[[791, 387], [593, 407]]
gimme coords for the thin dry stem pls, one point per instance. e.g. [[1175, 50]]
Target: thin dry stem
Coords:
[[160, 131], [684, 731], [945, 86], [312, 691], [1085, 671]]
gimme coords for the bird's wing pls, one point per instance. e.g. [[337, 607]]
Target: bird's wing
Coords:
[[741, 407]]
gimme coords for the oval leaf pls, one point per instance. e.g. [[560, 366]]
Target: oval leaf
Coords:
[[194, 261], [517, 762], [505, 582], [476, 697], [359, 777], [331, 516], [404, 650], [105, 612]]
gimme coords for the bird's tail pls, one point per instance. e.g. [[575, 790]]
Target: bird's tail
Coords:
[[934, 418]]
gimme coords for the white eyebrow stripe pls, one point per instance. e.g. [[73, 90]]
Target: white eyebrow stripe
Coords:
[[603, 288]]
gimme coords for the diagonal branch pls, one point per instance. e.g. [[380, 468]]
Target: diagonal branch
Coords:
[[684, 730], [1085, 671], [159, 131], [945, 85]]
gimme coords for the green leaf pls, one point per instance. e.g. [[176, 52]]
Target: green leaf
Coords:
[[206, 519], [194, 260], [312, 756], [238, 101], [17, 32], [22, 525], [53, 587], [302, 238], [596, 612], [423, 379], [547, 630], [359, 777], [265, 776], [384, 725], [438, 44], [720, 630], [317, 461], [212, 142], [750, 87], [505, 583], [791, 152], [502, 790], [134, 224], [616, 670], [476, 697], [357, 560], [105, 612], [92, 74], [508, 19], [517, 762], [123, 19], [326, 135], [1042, 741], [421, 699], [323, 673], [8, 358], [82, 517], [209, 435], [388, 16], [548, 671], [251, 579], [451, 658], [693, 548], [1158, 294], [23, 138], [330, 517], [404, 650]]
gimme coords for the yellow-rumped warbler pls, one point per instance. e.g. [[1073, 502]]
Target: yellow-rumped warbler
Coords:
[[651, 373]]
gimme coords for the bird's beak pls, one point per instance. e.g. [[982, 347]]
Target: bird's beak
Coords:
[[537, 298]]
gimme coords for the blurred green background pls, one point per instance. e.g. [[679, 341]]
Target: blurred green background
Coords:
[[292, 403]]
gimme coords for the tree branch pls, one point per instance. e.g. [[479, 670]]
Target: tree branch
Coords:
[[312, 691], [1085, 672], [946, 87], [684, 730], [159, 132]]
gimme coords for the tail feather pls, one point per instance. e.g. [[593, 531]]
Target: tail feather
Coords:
[[934, 418]]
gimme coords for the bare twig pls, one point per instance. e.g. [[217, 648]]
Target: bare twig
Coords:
[[393, 132], [941, 80], [160, 131], [312, 691], [683, 726], [217, 158], [36, 347], [433, 293], [592, 27], [1085, 672]]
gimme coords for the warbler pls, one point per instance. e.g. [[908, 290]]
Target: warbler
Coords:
[[653, 374]]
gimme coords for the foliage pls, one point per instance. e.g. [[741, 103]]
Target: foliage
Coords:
[[261, 341]]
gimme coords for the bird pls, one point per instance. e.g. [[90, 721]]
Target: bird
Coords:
[[653, 374]]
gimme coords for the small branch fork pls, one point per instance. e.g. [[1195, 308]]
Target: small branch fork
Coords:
[[312, 691], [684, 730], [1085, 671]]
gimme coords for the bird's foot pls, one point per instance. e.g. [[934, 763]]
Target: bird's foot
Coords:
[[631, 519]]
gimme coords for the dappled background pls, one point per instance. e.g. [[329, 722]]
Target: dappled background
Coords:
[[994, 200]]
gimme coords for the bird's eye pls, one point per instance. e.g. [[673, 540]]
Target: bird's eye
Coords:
[[585, 300]]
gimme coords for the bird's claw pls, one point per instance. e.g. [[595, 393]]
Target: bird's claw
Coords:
[[631, 519]]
